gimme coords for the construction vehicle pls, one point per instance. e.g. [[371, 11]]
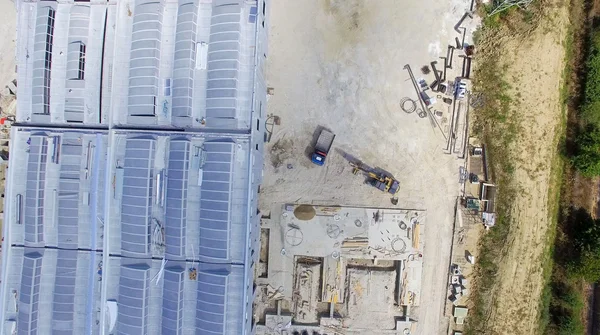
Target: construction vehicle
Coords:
[[322, 146], [380, 180]]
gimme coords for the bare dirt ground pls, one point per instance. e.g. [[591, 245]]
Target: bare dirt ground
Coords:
[[339, 65], [8, 22], [533, 66]]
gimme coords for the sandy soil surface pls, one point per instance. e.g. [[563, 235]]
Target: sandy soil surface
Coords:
[[533, 67], [8, 21], [8, 24], [339, 65]]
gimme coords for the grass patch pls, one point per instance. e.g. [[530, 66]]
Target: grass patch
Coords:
[[573, 242], [590, 110], [561, 304], [563, 311], [554, 207], [586, 156], [497, 125]]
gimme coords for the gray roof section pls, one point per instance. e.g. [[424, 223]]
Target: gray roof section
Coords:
[[185, 59], [42, 55], [175, 297], [215, 200], [57, 200], [34, 195], [180, 196], [219, 292], [63, 89], [144, 58], [223, 66], [177, 190], [173, 212], [52, 291], [76, 56], [68, 191], [29, 297], [136, 201], [64, 292], [172, 304], [190, 64], [133, 299]]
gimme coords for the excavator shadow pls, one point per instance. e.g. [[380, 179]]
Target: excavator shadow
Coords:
[[353, 160], [375, 176]]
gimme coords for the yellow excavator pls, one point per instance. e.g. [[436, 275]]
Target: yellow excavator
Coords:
[[381, 181]]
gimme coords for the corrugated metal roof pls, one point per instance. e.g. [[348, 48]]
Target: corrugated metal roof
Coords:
[[68, 191], [185, 59], [29, 293], [42, 57], [34, 196], [76, 52], [137, 196], [172, 305], [60, 188], [223, 65], [145, 55], [176, 211], [216, 288], [170, 207], [49, 290], [133, 299], [64, 292], [195, 170], [215, 199]]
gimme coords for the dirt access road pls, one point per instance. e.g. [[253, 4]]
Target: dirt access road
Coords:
[[533, 64], [339, 64]]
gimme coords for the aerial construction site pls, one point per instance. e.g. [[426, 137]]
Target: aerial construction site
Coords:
[[323, 262], [241, 167], [367, 135]]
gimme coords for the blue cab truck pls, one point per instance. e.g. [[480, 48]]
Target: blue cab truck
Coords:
[[322, 147]]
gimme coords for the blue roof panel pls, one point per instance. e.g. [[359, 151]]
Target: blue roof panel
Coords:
[[136, 203]]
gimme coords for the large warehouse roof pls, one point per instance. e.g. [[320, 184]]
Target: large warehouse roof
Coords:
[[165, 298], [134, 168], [57, 197], [193, 187], [185, 64], [59, 61], [51, 291]]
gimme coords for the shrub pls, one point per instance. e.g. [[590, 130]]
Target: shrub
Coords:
[[587, 152], [591, 104], [585, 259]]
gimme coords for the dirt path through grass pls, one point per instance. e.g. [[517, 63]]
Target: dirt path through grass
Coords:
[[524, 159]]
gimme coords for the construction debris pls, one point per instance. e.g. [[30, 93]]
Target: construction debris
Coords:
[[342, 258]]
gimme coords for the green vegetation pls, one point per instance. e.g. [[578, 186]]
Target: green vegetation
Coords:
[[577, 246], [586, 157], [585, 261], [591, 106], [571, 303], [562, 302], [497, 125], [548, 263], [572, 265], [573, 256]]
